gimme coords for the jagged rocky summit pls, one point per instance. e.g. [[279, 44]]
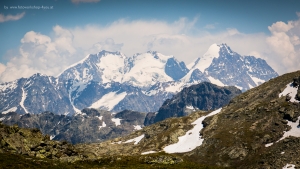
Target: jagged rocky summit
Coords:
[[203, 96]]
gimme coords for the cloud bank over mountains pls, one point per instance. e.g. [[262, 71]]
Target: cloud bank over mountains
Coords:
[[51, 54]]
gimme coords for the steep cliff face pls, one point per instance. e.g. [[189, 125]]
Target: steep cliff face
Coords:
[[203, 96]]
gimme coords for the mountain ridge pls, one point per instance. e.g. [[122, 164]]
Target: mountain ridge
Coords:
[[140, 82]]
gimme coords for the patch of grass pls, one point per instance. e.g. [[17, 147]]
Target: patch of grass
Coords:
[[13, 161]]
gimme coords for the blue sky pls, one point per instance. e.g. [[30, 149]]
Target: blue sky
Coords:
[[71, 29]]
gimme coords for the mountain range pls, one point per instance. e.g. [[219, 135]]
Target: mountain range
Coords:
[[95, 125], [142, 82]]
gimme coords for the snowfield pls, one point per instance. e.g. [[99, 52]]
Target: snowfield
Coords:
[[137, 127], [148, 152], [135, 140], [292, 91], [13, 109], [109, 101], [289, 166], [117, 121], [191, 139]]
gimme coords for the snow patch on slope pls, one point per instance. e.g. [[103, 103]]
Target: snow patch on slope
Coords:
[[137, 127], [239, 87], [103, 125], [136, 140], [148, 152], [294, 131], [99, 117], [256, 80], [117, 121], [174, 87], [109, 100], [215, 81], [190, 107], [289, 166], [191, 139], [250, 86], [13, 109], [24, 95], [290, 90]]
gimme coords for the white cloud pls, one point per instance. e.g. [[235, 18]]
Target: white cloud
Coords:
[[280, 27], [51, 54], [285, 45], [2, 68], [43, 54], [84, 1], [6, 18]]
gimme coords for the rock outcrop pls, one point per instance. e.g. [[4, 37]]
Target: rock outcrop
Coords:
[[203, 96], [91, 126]]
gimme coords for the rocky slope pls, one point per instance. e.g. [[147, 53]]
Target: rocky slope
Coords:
[[90, 126], [28, 148], [31, 142], [257, 129]]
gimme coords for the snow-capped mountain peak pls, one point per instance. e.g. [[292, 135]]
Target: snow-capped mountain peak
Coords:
[[147, 69], [205, 61]]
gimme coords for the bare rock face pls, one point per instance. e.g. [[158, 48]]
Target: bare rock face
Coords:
[[203, 96], [296, 83], [91, 126]]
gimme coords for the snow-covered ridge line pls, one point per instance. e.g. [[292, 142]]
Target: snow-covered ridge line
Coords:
[[74, 64], [191, 139]]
